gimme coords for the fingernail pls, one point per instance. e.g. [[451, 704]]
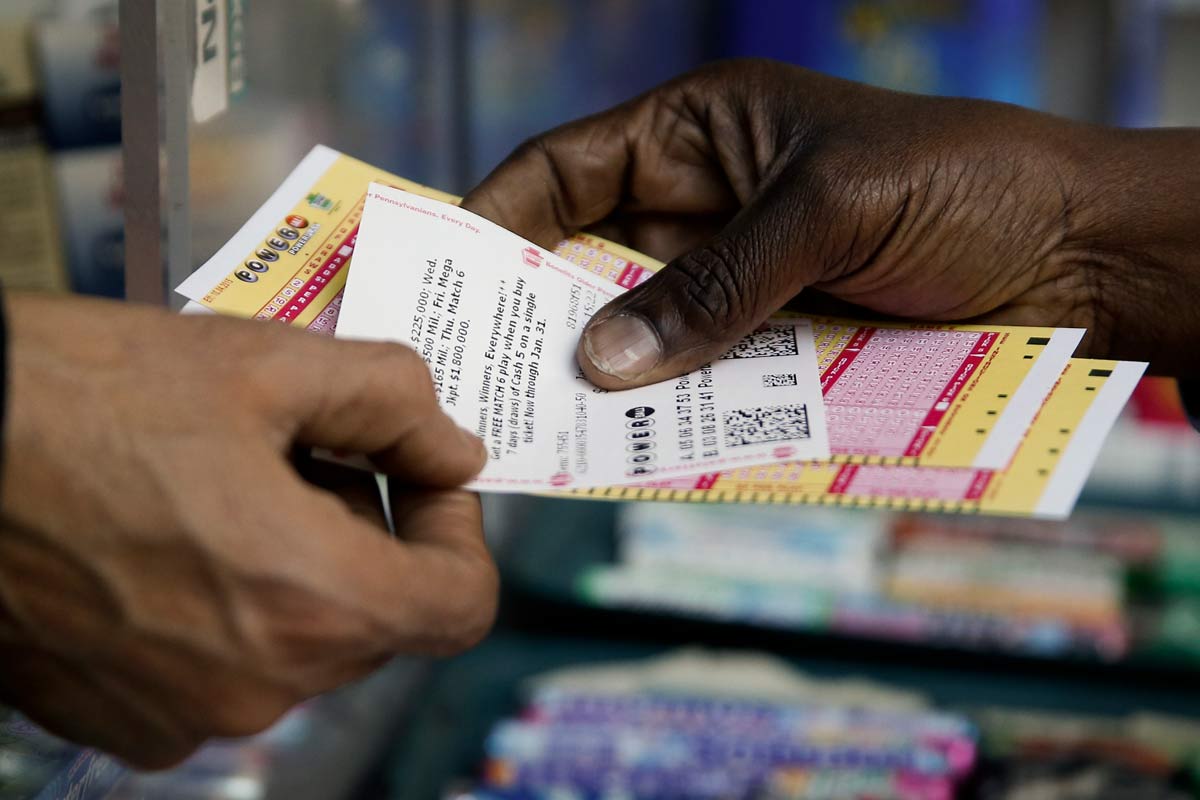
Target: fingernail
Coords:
[[624, 346]]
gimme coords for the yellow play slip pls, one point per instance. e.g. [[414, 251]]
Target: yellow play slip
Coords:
[[1043, 480], [919, 415]]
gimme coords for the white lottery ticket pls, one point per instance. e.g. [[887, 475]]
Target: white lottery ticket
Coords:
[[497, 320]]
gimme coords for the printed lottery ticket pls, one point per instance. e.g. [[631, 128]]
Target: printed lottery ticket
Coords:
[[935, 395], [498, 319], [943, 395], [939, 395], [909, 393], [1043, 480], [915, 395], [289, 261]]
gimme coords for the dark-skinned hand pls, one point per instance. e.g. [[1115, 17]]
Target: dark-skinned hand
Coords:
[[760, 182]]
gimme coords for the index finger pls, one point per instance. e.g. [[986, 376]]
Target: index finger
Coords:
[[561, 181], [673, 150], [370, 398]]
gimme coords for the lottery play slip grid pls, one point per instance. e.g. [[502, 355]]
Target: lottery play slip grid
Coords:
[[1043, 479], [895, 381], [915, 397], [915, 394], [935, 395]]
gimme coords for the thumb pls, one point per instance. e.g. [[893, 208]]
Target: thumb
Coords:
[[698, 306]]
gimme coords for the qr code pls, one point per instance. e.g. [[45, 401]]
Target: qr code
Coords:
[[766, 424], [766, 343], [781, 379]]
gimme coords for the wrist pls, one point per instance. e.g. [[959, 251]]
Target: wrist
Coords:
[[1133, 234]]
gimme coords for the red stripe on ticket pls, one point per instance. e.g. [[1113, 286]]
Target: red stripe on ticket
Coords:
[[845, 358], [841, 481], [979, 484], [298, 303], [951, 390], [630, 275]]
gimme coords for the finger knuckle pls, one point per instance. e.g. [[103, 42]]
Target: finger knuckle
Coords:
[[473, 616], [715, 285], [395, 355], [546, 150], [399, 363], [532, 148]]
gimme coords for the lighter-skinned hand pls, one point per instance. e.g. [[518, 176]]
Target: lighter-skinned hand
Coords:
[[166, 575]]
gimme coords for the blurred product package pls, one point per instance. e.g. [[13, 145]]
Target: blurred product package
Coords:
[[535, 64], [28, 214], [703, 724], [1106, 586], [79, 65], [970, 48], [91, 198], [1044, 754], [709, 724], [18, 83], [1152, 458], [77, 58]]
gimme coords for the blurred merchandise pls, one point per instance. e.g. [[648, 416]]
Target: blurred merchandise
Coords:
[[77, 53], [18, 83], [1156, 401], [517, 692], [79, 64], [1152, 456], [397, 89], [1137, 50], [1075, 757], [90, 192], [535, 64], [602, 732], [59, 88], [970, 48], [29, 223], [1106, 586], [1179, 62], [1124, 62], [731, 675], [28, 217]]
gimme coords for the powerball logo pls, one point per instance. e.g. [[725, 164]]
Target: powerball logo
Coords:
[[532, 257]]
